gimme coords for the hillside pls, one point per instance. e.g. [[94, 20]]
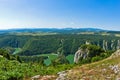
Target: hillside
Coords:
[[29, 42], [44, 55], [107, 69], [11, 68], [36, 45]]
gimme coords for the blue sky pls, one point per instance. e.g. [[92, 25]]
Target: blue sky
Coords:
[[104, 14]]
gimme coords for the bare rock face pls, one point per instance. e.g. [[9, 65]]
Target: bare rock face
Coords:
[[105, 45], [115, 69], [118, 44], [87, 43], [113, 45], [81, 53]]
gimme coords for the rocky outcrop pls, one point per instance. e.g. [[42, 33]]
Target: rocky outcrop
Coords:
[[112, 44], [118, 44], [62, 75], [105, 45], [115, 69], [87, 43], [115, 54], [80, 54]]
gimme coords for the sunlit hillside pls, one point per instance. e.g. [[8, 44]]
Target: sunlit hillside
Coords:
[[107, 69]]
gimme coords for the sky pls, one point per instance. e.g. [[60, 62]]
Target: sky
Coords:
[[103, 14]]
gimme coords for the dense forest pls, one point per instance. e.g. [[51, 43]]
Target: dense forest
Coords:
[[56, 48], [13, 67], [36, 45]]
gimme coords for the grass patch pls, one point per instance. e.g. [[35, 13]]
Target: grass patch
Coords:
[[70, 58], [17, 50]]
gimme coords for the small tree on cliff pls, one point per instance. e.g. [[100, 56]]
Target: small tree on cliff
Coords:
[[93, 50]]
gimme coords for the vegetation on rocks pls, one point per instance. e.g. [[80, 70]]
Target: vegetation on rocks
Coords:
[[107, 69], [90, 53]]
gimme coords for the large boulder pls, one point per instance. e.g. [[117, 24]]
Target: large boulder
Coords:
[[87, 51]]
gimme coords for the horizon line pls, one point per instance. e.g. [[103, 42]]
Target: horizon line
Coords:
[[57, 28]]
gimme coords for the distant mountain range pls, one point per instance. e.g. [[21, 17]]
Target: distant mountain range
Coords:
[[56, 30]]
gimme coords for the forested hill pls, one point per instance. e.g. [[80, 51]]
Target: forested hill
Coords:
[[34, 45], [45, 40], [54, 30]]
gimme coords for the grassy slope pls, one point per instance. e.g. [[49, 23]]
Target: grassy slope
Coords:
[[96, 71], [13, 70], [70, 58], [50, 58], [54, 56]]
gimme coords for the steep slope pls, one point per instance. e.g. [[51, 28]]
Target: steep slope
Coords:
[[11, 68], [107, 69]]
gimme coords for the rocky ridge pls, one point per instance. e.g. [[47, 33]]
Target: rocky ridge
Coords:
[[107, 69]]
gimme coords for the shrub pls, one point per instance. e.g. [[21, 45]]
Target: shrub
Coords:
[[97, 58]]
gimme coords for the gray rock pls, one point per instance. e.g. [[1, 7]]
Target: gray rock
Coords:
[[35, 77], [117, 78], [115, 68], [62, 75], [80, 54]]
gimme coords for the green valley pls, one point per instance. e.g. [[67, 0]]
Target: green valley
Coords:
[[26, 55]]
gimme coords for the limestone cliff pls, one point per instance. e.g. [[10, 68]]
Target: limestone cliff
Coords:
[[87, 52], [81, 54], [106, 44]]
